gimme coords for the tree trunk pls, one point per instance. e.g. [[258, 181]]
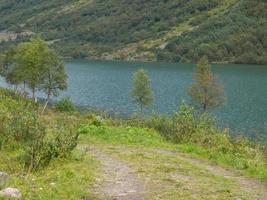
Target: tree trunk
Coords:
[[24, 89], [141, 108], [204, 107], [16, 88], [34, 96], [46, 103]]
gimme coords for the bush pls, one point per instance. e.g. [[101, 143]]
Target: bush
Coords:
[[162, 124], [65, 105], [18, 120], [184, 124], [60, 145], [179, 128], [23, 132], [21, 129], [187, 126]]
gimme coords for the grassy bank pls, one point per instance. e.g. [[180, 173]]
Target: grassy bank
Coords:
[[250, 161], [187, 171], [64, 179], [59, 172], [180, 156]]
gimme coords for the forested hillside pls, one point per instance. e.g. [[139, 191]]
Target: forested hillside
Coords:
[[170, 30]]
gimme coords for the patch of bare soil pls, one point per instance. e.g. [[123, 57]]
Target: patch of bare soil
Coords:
[[119, 181]]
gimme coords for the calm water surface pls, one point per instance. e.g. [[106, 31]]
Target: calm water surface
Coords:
[[107, 85]]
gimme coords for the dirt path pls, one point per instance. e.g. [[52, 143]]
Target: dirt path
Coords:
[[248, 184], [119, 181]]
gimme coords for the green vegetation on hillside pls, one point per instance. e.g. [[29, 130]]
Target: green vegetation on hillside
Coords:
[[171, 30]]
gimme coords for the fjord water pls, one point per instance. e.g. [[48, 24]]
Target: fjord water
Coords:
[[107, 85]]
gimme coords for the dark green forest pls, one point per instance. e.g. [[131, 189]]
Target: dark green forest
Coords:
[[232, 31]]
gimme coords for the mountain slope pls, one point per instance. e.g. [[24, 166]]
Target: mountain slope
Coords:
[[170, 30]]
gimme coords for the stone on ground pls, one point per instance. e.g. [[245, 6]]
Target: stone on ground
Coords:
[[11, 193]]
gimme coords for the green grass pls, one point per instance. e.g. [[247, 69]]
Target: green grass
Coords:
[[68, 179], [130, 136], [170, 177], [167, 176], [151, 139], [250, 166]]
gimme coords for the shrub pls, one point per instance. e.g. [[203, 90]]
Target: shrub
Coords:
[[21, 129], [97, 120], [18, 120], [180, 127], [60, 145], [184, 124], [65, 105], [24, 132], [187, 126], [162, 124]]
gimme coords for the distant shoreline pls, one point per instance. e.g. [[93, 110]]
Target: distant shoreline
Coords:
[[67, 58]]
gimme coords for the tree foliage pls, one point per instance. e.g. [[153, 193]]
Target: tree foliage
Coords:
[[8, 68], [54, 77], [206, 92], [31, 61], [142, 91], [36, 65]]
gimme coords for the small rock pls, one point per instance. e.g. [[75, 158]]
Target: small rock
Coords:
[[11, 193], [4, 178]]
